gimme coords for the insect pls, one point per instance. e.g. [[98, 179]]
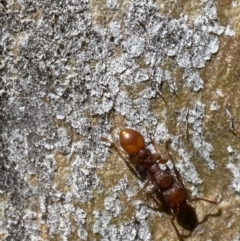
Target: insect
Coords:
[[167, 182]]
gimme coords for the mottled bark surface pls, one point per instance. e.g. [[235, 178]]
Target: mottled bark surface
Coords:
[[73, 71]]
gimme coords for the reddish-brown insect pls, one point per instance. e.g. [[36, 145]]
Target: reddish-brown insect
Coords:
[[167, 182]]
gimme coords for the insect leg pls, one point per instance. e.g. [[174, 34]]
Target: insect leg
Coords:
[[175, 171], [202, 199], [175, 227], [155, 199], [123, 156], [164, 160], [150, 194], [146, 184], [157, 157]]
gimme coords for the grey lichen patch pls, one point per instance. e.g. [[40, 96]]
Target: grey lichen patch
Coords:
[[134, 230], [82, 180], [67, 69], [3, 220], [234, 167], [193, 118]]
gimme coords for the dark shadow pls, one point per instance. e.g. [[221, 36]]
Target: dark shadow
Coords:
[[217, 214]]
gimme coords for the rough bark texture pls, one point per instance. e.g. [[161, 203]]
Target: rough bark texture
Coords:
[[73, 71]]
